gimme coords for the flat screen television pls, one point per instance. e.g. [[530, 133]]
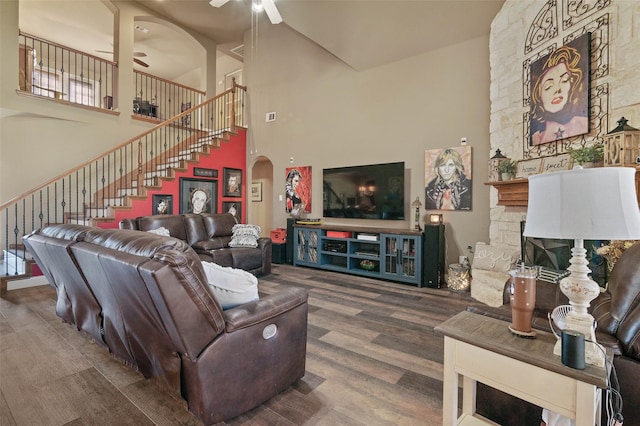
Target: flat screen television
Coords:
[[364, 192]]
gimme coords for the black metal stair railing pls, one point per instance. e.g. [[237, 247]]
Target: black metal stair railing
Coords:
[[159, 98], [51, 70], [90, 192]]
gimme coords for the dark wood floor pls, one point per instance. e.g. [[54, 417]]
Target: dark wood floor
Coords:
[[372, 359]]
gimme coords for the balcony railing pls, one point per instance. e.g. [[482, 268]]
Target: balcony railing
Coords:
[[54, 71], [159, 98], [90, 192]]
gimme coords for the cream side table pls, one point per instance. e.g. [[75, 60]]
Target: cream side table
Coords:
[[481, 349]]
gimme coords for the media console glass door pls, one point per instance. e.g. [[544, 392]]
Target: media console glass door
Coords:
[[306, 246], [401, 257]]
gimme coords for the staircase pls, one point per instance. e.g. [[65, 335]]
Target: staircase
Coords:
[[97, 192]]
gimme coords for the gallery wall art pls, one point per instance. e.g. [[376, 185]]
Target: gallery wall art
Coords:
[[448, 178], [298, 189]]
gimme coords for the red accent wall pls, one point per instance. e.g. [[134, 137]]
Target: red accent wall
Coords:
[[231, 154]]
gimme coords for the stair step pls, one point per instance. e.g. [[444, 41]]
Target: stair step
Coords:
[[127, 191], [95, 212], [14, 262], [172, 162]]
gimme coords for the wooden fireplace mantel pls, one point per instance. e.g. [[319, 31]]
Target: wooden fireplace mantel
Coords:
[[515, 192]]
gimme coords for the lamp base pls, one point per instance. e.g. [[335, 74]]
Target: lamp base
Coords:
[[580, 289], [593, 351]]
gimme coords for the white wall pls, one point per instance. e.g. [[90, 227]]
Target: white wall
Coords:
[[329, 115], [39, 138]]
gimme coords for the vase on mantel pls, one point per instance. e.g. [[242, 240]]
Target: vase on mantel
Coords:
[[591, 164], [506, 176]]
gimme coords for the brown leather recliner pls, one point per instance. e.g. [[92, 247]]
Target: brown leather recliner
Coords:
[[617, 313], [154, 311]]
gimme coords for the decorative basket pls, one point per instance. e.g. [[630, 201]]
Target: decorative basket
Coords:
[[367, 265]]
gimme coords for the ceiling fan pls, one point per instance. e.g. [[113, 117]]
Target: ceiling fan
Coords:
[[136, 56], [269, 6]]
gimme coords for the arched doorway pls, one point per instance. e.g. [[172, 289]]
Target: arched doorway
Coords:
[[261, 212]]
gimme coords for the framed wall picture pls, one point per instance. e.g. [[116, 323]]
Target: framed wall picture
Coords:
[[232, 182], [233, 207], [447, 178], [256, 191], [298, 189], [559, 88], [198, 195], [162, 204]]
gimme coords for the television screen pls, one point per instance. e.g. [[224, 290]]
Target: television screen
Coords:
[[364, 192]]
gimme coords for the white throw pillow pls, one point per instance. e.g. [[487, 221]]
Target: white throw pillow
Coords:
[[492, 258], [244, 236], [160, 231], [231, 287]]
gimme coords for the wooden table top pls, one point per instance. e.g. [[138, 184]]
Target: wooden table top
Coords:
[[494, 335]]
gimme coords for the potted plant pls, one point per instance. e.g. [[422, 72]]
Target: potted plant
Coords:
[[588, 156], [507, 169]]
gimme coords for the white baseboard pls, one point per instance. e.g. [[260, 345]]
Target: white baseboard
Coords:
[[28, 282]]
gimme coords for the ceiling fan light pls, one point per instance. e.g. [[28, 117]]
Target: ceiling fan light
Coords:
[[257, 5]]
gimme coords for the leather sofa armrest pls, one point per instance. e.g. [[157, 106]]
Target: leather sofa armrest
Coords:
[[267, 307], [205, 246], [265, 245], [128, 223]]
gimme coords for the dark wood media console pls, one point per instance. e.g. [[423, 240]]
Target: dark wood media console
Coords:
[[385, 253]]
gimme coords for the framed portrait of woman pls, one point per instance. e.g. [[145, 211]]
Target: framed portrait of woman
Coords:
[[447, 178], [162, 204], [234, 208], [559, 89]]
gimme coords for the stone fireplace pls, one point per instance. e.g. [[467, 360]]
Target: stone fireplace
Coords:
[[521, 33]]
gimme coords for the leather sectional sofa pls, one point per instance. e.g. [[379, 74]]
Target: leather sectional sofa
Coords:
[[209, 235], [617, 313], [145, 298]]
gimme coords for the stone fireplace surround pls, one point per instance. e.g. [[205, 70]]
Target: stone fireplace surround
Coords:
[[524, 31]]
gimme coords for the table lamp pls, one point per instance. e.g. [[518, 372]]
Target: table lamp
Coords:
[[417, 204], [579, 204]]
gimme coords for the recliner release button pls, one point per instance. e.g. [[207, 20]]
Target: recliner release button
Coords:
[[269, 331]]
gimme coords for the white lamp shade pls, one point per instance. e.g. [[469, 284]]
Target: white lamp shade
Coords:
[[588, 204]]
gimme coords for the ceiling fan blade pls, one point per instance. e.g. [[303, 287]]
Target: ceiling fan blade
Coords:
[[141, 63], [272, 11], [217, 3]]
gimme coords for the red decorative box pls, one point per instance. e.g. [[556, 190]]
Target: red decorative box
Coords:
[[279, 235], [339, 234]]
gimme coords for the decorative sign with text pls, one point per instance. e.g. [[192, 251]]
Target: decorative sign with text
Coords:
[[198, 171], [555, 164], [527, 168]]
